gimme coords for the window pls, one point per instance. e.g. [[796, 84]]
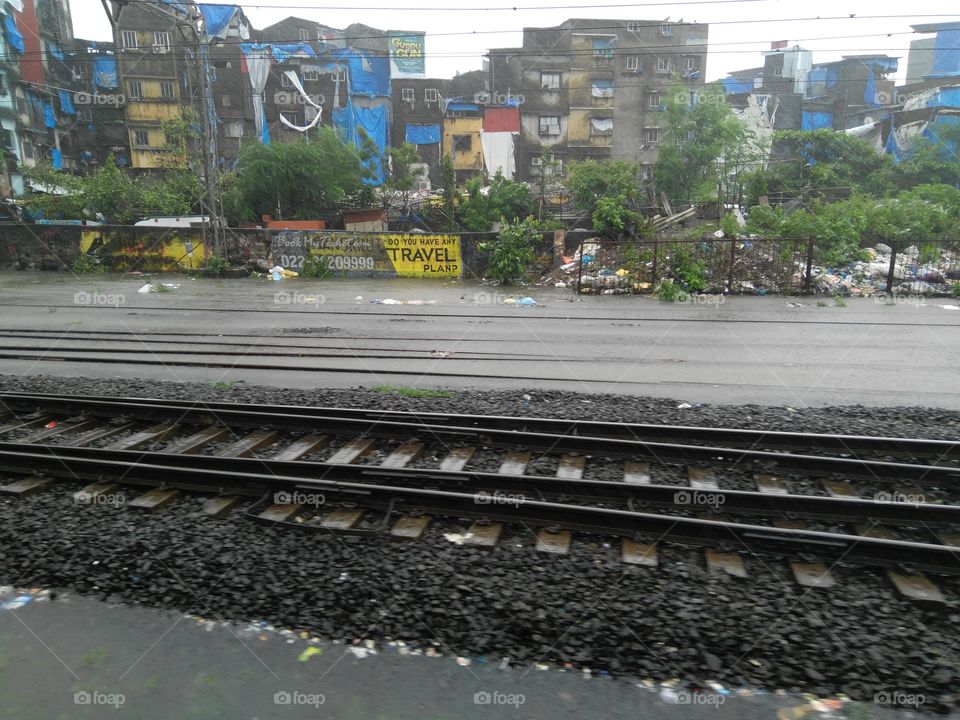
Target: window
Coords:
[[80, 71], [285, 81], [309, 113], [691, 64], [550, 80], [3, 86], [304, 35], [430, 94], [653, 101], [233, 129], [129, 38], [311, 74], [161, 41], [462, 143], [340, 74], [21, 105], [291, 117], [407, 94], [646, 172], [666, 30], [633, 62], [167, 89], [651, 135], [633, 27], [141, 138], [135, 89], [778, 72], [28, 150], [225, 101], [549, 125], [85, 115], [663, 65]]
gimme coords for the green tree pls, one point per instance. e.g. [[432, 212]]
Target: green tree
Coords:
[[299, 180], [513, 251], [608, 192], [701, 138], [510, 200], [448, 180]]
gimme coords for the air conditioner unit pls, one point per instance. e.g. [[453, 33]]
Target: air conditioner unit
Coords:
[[161, 48]]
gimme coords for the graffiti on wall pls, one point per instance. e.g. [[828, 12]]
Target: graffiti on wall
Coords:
[[145, 250], [369, 254]]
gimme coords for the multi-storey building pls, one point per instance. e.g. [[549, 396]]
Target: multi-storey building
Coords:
[[595, 89]]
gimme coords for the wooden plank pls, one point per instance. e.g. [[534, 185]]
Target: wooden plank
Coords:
[[353, 451], [918, 588], [515, 463], [154, 499], [702, 478], [556, 542], [771, 484], [26, 486], [280, 512], [248, 445], [790, 524], [60, 429], [403, 455], [194, 443], [730, 563], [93, 492], [637, 473], [457, 458], [636, 553], [812, 575], [220, 507], [342, 519], [24, 424], [484, 535], [571, 467], [839, 488], [98, 434], [304, 446], [157, 433], [874, 531], [408, 527]]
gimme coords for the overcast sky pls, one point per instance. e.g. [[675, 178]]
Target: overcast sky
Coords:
[[458, 38]]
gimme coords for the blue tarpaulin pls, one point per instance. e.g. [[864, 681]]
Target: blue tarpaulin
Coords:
[[66, 103], [49, 118], [14, 38], [373, 121], [816, 120], [870, 89], [462, 107], [343, 121], [216, 18], [56, 51], [369, 74], [105, 72], [934, 132], [423, 134], [946, 55], [735, 86], [282, 52], [56, 159]]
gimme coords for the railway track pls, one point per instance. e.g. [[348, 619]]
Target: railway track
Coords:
[[815, 499]]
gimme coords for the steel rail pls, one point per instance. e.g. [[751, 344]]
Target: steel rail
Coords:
[[766, 439], [376, 423], [755, 538], [680, 497]]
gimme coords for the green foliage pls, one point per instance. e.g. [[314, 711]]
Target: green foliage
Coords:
[[315, 266], [86, 265], [669, 291], [502, 201], [903, 221], [729, 225], [955, 290], [402, 177], [609, 192], [216, 264], [685, 270], [299, 180], [412, 392], [448, 179], [476, 214], [927, 163], [513, 251], [698, 137]]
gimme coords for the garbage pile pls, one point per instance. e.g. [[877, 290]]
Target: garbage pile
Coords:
[[914, 273], [602, 272]]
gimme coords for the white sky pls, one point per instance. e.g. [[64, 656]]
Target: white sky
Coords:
[[457, 39]]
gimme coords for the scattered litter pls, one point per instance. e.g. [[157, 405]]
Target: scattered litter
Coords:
[[950, 307], [464, 662], [361, 652], [504, 664], [560, 284], [684, 406], [442, 353], [50, 425], [158, 287], [526, 302], [457, 538], [145, 289], [359, 297], [391, 301], [280, 273], [16, 603], [309, 653]]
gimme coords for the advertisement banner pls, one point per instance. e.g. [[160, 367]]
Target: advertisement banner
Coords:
[[321, 253], [407, 54]]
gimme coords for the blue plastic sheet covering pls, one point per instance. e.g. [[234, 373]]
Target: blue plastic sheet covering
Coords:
[[343, 121], [934, 132], [49, 118], [66, 103], [56, 159], [282, 52], [369, 74], [462, 107], [216, 18], [105, 71], [945, 97], [816, 120], [56, 51], [870, 89], [884, 65], [179, 7], [946, 55], [423, 134], [36, 106], [735, 86], [14, 38], [373, 121]]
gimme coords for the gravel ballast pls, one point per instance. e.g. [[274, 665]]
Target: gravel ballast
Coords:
[[587, 609]]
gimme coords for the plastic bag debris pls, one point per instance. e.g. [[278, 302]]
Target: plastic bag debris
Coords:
[[950, 307], [308, 653], [684, 406], [16, 603], [280, 273], [526, 302]]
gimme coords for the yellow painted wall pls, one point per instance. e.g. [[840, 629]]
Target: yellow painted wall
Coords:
[[578, 127], [472, 160], [157, 250]]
